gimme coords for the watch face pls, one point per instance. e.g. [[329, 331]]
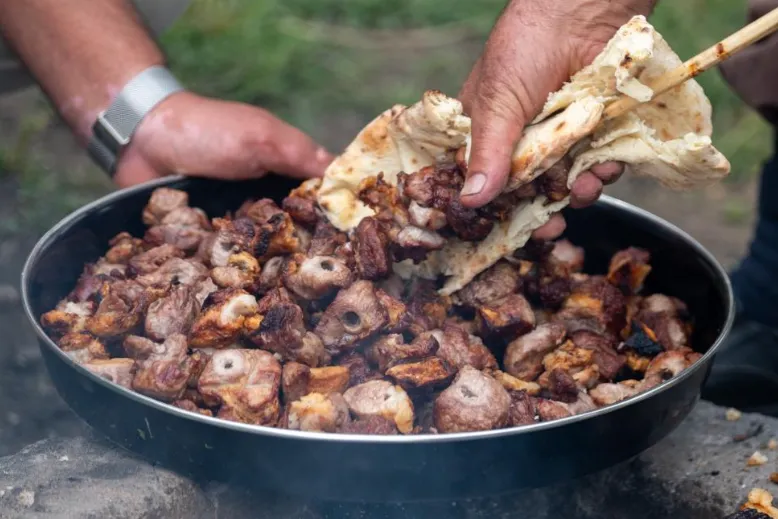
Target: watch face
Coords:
[[159, 15]]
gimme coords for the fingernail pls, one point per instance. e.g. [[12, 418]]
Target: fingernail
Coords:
[[474, 184], [322, 155]]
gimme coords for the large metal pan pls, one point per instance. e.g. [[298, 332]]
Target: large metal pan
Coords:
[[406, 468]]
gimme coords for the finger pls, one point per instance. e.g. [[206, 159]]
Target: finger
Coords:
[[551, 230], [586, 189], [608, 172], [134, 169], [284, 149], [467, 92]]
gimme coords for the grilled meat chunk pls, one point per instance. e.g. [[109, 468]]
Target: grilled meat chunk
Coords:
[[473, 402], [82, 347], [628, 269], [427, 373], [315, 277], [494, 284], [460, 349], [163, 200], [318, 412], [163, 370], [371, 250], [226, 316], [524, 356], [354, 315], [117, 370], [381, 398], [172, 314]]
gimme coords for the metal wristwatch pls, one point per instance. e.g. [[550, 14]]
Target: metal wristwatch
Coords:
[[115, 126]]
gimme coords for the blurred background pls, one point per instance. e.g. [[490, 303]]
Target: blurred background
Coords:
[[329, 67]]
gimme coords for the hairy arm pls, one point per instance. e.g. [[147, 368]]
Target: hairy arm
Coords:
[[82, 52]]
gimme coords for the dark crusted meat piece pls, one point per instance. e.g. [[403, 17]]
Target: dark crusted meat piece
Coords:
[[384, 199], [433, 186], [524, 356], [358, 368], [283, 331], [628, 269], [473, 402], [467, 224], [371, 250], [163, 370], [508, 317], [605, 356], [390, 350], [562, 386], [302, 210], [262, 211], [354, 315], [326, 239], [522, 410], [597, 301], [426, 309], [553, 183]]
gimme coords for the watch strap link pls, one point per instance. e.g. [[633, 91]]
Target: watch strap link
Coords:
[[114, 127]]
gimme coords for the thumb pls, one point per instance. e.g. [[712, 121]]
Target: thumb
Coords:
[[284, 149], [498, 117]]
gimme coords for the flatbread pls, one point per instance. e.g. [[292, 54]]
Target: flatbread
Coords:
[[667, 139]]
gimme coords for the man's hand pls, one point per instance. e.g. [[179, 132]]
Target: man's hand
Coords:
[[193, 135], [534, 48]]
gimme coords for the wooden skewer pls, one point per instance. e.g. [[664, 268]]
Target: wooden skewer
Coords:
[[711, 57]]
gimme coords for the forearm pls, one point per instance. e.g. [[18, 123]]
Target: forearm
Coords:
[[82, 52]]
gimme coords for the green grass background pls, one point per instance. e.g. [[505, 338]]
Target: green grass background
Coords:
[[329, 66]]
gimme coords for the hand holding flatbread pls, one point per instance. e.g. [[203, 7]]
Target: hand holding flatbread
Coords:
[[667, 137]]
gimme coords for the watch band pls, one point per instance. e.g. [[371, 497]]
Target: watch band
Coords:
[[114, 127]]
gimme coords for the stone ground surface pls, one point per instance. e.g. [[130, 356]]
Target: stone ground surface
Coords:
[[30, 409], [699, 472]]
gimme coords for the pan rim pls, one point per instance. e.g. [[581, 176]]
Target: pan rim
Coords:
[[286, 434]]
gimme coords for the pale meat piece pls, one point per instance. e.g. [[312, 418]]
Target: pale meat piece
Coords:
[[382, 398], [460, 349], [660, 315], [163, 200], [271, 274], [175, 271], [667, 365], [315, 277], [524, 356], [172, 314], [609, 393], [549, 410], [152, 259], [329, 379], [183, 227], [82, 347], [513, 384], [192, 407], [318, 412], [231, 313], [491, 285], [245, 383], [354, 315], [563, 259], [473, 402], [117, 370], [163, 370]]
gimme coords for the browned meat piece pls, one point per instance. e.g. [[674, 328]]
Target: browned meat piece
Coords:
[[568, 358], [116, 315], [271, 275], [192, 407], [283, 331], [294, 381], [596, 300], [373, 424], [524, 356], [216, 248], [371, 250], [118, 371], [552, 410], [471, 327], [467, 223], [354, 315], [563, 260], [608, 361], [82, 347], [318, 412], [492, 285], [199, 359], [553, 183], [315, 277], [414, 243], [153, 259], [473, 402], [163, 370], [230, 313], [508, 317], [512, 383], [277, 296], [330, 379], [123, 247], [608, 393], [358, 367], [241, 271], [384, 199], [426, 217], [262, 211], [302, 210], [629, 268], [390, 350], [89, 284], [426, 309], [381, 398], [162, 201], [67, 317], [276, 237], [427, 373], [460, 349], [175, 271], [659, 319], [397, 317], [172, 314], [522, 410], [183, 227], [326, 239], [667, 365], [553, 292], [562, 386], [246, 384], [433, 186]]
